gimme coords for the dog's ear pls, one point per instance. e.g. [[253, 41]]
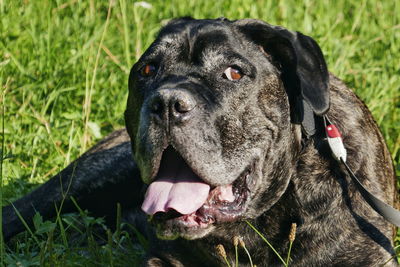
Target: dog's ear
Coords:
[[300, 60]]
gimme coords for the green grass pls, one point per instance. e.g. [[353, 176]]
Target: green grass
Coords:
[[63, 80]]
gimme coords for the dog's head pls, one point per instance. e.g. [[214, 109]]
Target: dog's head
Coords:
[[210, 113]]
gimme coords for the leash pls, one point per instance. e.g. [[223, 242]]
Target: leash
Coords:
[[339, 153]]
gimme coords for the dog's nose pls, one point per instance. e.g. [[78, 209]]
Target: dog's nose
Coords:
[[174, 105]]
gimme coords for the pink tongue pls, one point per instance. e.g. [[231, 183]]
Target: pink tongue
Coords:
[[183, 195]]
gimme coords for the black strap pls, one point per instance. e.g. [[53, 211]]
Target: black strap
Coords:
[[388, 212]]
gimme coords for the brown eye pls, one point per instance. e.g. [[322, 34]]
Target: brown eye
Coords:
[[232, 74], [148, 70]]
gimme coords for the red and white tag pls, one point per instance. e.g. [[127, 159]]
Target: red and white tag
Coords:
[[335, 142]]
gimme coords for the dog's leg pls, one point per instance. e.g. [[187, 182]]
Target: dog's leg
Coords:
[[98, 180]]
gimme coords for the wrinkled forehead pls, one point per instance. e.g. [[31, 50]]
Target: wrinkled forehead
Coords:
[[196, 40]]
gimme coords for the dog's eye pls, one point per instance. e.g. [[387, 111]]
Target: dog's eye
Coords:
[[233, 74], [148, 70]]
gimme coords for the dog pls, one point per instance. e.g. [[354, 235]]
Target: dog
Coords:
[[225, 128]]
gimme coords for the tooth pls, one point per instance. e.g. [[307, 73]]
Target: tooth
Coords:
[[226, 194]]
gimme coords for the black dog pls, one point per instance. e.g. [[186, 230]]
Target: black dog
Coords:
[[225, 124]]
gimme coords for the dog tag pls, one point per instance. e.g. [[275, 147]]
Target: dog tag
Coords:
[[335, 142]]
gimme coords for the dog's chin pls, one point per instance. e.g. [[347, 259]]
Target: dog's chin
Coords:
[[217, 209], [176, 228]]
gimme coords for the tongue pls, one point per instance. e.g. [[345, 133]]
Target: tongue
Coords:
[[185, 196], [176, 187]]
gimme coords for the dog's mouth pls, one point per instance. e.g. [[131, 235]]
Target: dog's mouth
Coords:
[[179, 196]]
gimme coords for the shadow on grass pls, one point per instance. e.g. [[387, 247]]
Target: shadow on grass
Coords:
[[71, 238]]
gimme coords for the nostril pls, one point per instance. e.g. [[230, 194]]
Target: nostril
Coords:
[[156, 106], [183, 105]]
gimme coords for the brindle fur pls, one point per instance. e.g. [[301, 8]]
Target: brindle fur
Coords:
[[297, 180]]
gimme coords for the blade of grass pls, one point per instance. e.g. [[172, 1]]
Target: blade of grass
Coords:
[[3, 111], [266, 241], [292, 236], [26, 226], [88, 99], [122, 4]]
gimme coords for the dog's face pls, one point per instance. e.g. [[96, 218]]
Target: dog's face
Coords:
[[209, 115]]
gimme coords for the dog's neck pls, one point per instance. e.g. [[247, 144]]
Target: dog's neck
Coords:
[[299, 204]]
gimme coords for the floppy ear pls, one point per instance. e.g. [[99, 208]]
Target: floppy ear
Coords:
[[302, 65]]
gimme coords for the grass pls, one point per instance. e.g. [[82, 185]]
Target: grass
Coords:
[[239, 242], [63, 79]]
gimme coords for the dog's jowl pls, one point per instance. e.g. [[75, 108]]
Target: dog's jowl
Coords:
[[225, 127]]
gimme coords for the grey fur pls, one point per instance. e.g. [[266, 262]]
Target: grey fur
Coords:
[[222, 128]]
